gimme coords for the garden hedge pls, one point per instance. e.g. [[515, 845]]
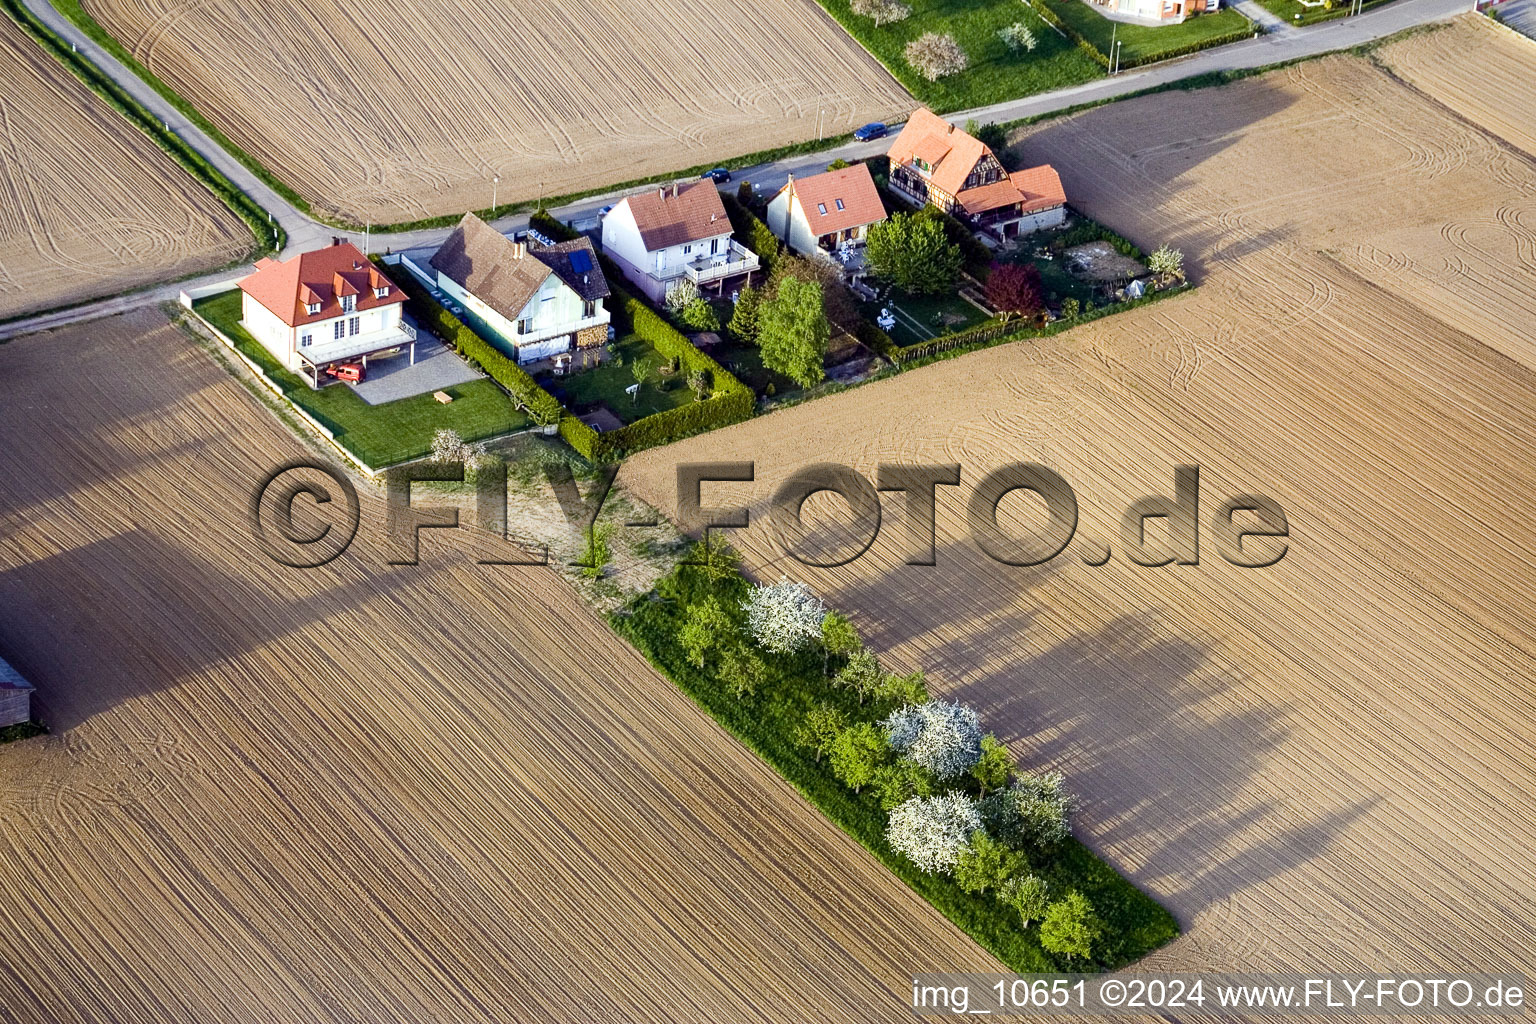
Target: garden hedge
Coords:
[[1041, 8], [754, 234]]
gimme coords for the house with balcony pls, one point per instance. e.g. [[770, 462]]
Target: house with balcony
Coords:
[[826, 214], [934, 163], [324, 307], [529, 299], [1154, 12], [666, 235]]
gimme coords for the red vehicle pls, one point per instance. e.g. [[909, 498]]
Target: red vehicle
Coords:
[[347, 371]]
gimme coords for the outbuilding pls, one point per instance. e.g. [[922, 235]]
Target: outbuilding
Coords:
[[15, 696]]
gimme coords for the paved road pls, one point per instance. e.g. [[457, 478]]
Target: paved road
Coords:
[[304, 233], [1519, 15]]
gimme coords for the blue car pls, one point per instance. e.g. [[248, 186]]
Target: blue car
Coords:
[[721, 175], [873, 130]]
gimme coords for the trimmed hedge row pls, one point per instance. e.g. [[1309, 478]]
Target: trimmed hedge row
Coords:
[[1050, 18], [541, 405], [268, 236], [754, 233]]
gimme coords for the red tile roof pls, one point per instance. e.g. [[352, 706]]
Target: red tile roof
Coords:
[[1032, 189], [678, 214], [950, 153], [852, 186], [322, 275]]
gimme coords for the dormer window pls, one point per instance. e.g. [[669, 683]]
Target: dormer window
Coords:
[[381, 291], [312, 308], [348, 303]]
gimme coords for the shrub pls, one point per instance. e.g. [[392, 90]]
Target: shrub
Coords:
[[700, 316], [932, 831], [1017, 37], [1167, 262], [784, 617], [680, 295], [942, 736], [936, 56], [698, 383]]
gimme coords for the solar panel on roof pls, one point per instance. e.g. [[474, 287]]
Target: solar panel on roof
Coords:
[[581, 261]]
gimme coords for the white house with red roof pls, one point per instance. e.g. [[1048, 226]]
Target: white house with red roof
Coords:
[[665, 235], [937, 164], [818, 214], [324, 307]]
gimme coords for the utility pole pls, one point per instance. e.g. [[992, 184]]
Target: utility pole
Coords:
[[367, 233], [495, 180], [1111, 54]]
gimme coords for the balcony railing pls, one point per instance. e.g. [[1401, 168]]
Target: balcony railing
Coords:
[[737, 259], [330, 350]]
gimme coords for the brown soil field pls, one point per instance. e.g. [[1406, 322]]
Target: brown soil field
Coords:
[[1321, 765], [366, 792], [1478, 69], [434, 98], [88, 205]]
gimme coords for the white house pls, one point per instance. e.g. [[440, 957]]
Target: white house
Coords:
[[824, 211], [662, 236], [535, 300], [15, 697], [324, 307]]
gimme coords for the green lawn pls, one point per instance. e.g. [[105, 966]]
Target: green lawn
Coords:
[[1146, 43], [766, 722], [606, 384], [1287, 10], [995, 73], [918, 316], [379, 435]]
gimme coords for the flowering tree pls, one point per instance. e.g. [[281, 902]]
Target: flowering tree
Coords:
[[1167, 262], [784, 617], [883, 11], [1032, 813], [681, 295], [942, 736], [932, 831], [1028, 894], [934, 56], [1017, 37]]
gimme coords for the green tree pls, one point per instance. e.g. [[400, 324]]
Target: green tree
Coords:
[[838, 164], [986, 864], [1070, 927], [856, 754], [995, 767], [705, 627], [1070, 308], [914, 253], [793, 332], [861, 674], [699, 315], [899, 781], [698, 383], [743, 325], [742, 670], [903, 690], [820, 729], [642, 370], [990, 135], [838, 639], [1028, 894]]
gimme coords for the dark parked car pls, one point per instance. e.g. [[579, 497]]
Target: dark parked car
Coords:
[[720, 174], [871, 131]]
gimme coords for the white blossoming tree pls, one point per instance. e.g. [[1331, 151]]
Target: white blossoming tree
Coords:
[[784, 617], [1167, 262], [932, 831], [942, 736]]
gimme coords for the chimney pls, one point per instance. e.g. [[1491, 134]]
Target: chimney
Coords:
[[519, 250], [335, 239], [674, 190], [661, 193]]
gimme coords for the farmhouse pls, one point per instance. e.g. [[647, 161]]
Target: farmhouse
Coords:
[[661, 237], [324, 307], [935, 163], [15, 697], [536, 300], [824, 211]]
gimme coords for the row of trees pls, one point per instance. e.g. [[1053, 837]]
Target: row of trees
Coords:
[[955, 804]]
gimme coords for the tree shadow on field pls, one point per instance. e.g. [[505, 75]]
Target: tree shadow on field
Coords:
[[1166, 744]]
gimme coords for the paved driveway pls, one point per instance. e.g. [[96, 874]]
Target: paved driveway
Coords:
[[393, 378]]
